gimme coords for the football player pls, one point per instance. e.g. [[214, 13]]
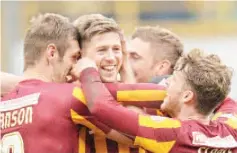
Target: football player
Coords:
[[199, 84]]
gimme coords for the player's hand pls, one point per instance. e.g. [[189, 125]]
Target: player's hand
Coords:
[[126, 72], [81, 65], [123, 43]]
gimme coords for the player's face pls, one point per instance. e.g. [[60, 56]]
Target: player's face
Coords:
[[105, 50], [64, 65], [175, 90], [141, 59]]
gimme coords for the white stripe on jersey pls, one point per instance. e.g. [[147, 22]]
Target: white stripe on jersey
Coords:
[[17, 103], [215, 142]]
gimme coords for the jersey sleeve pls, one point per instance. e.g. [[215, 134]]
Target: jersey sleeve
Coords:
[[80, 114], [130, 94], [150, 132], [147, 95]]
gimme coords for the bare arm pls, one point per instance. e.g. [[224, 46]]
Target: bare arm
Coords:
[[8, 82]]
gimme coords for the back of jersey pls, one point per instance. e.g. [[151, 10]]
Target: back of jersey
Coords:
[[35, 119], [195, 137]]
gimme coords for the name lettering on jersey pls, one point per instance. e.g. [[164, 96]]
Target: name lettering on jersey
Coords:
[[18, 111], [12, 104], [214, 142], [16, 117], [211, 150]]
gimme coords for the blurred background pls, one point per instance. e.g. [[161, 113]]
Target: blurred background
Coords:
[[209, 25]]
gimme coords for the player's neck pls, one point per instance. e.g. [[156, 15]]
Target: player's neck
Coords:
[[36, 73], [192, 114]]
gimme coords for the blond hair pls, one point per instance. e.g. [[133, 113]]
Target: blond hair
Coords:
[[207, 76], [94, 24], [45, 29], [161, 37]]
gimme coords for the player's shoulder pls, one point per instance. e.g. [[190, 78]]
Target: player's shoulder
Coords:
[[49, 90], [214, 134], [211, 129], [228, 119], [67, 91], [228, 106], [39, 84], [189, 127], [60, 88], [62, 85]]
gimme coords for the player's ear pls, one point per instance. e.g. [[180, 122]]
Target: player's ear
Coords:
[[51, 53], [162, 67], [187, 96]]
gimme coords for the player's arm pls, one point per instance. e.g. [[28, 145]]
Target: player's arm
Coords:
[[8, 82], [81, 115], [151, 133], [142, 95], [147, 95]]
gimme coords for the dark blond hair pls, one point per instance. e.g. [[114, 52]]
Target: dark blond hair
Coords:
[[45, 29], [94, 24], [207, 76], [161, 37]]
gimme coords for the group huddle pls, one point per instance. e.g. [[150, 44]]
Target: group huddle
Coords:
[[87, 89]]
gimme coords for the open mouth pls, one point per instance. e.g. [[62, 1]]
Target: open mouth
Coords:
[[109, 68]]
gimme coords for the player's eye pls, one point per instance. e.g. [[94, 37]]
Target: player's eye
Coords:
[[101, 50], [117, 49], [76, 57], [135, 56]]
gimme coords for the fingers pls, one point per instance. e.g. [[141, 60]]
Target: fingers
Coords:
[[123, 42], [81, 64], [72, 76], [121, 35]]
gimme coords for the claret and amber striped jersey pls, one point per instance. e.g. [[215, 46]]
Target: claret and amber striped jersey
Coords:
[[41, 117], [155, 133], [141, 95], [44, 117]]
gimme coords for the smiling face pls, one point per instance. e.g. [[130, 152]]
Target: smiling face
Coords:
[[175, 89], [105, 50], [180, 95]]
